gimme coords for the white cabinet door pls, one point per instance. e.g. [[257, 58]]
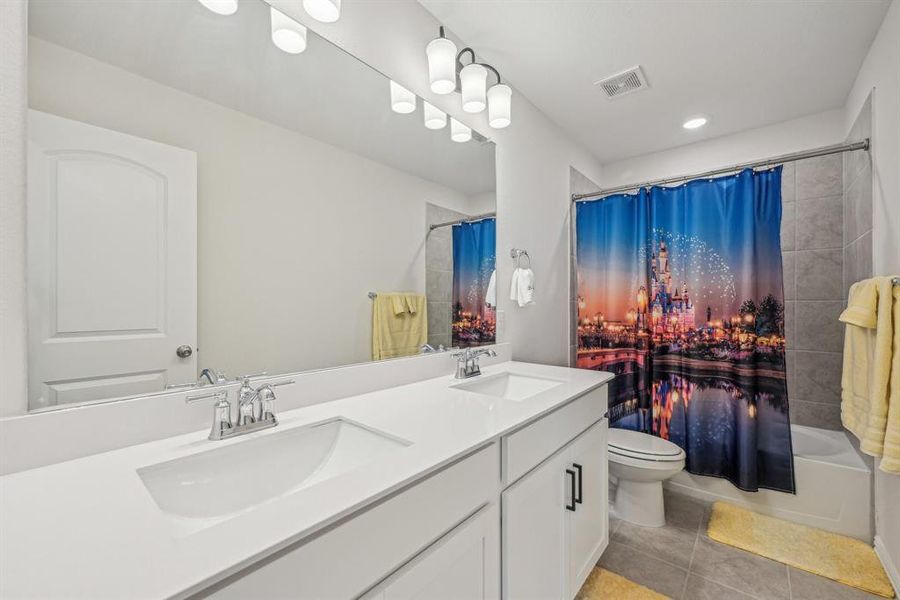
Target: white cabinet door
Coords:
[[534, 532], [589, 524], [463, 565], [112, 262]]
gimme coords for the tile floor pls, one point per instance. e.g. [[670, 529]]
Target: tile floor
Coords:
[[680, 561]]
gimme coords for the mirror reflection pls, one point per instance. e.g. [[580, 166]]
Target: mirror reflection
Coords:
[[231, 195]]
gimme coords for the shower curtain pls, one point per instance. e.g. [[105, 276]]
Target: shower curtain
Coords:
[[474, 323], [680, 295]]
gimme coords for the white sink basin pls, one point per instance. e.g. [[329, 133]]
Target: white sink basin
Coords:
[[509, 386], [237, 477]]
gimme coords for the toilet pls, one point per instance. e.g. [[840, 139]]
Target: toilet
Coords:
[[641, 462]]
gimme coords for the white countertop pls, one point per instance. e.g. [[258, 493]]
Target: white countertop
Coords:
[[88, 528]]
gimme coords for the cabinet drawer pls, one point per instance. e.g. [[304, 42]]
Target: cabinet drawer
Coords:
[[347, 560], [525, 448]]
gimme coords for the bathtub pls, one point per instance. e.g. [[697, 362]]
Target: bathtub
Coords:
[[834, 486]]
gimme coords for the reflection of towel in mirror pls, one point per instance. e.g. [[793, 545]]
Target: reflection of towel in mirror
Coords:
[[522, 287], [399, 325], [490, 297]]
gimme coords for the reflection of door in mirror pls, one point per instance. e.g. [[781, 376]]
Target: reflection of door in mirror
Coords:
[[112, 262]]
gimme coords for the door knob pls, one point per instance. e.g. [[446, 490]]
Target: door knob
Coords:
[[184, 351]]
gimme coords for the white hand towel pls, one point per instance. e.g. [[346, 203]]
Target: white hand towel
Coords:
[[490, 297], [514, 286], [526, 287], [522, 289]]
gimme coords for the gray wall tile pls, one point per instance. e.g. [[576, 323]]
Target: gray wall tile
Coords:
[[818, 377], [788, 183], [790, 331], [819, 274], [858, 207], [820, 223], [820, 177], [815, 414], [817, 326], [788, 260], [788, 226]]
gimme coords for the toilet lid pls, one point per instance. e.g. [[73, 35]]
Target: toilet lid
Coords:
[[642, 446]]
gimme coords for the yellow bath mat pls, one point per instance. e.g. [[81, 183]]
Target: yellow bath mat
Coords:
[[830, 555], [606, 585]]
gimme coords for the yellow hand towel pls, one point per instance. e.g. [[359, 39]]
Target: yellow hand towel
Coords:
[[890, 458], [870, 404], [399, 325]]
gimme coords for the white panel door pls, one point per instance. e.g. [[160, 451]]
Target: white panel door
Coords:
[[112, 262], [588, 525], [463, 565], [535, 552]]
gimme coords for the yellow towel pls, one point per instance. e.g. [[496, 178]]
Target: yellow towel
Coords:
[[870, 381], [399, 325]]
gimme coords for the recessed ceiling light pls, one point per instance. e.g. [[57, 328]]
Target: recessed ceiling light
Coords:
[[694, 123]]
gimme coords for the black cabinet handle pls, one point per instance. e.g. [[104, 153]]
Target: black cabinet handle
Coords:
[[571, 507], [579, 498]]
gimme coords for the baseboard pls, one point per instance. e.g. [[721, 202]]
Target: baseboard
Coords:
[[889, 566]]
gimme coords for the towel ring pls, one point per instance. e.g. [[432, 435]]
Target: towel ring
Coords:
[[517, 254]]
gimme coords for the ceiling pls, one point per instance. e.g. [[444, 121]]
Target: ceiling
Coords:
[[324, 92], [742, 64]]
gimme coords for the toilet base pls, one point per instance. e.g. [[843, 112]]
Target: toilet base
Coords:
[[640, 502]]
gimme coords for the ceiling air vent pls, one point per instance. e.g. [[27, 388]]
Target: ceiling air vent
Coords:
[[626, 82]]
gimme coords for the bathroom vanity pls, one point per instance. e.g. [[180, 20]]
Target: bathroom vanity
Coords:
[[396, 493]]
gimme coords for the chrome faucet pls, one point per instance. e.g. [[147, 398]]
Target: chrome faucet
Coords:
[[467, 362], [256, 410], [213, 376]]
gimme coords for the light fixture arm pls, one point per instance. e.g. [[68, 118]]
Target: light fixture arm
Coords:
[[494, 71], [460, 65]]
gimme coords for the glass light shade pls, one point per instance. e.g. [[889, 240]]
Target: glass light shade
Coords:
[[473, 79], [435, 118], [403, 101], [221, 7], [287, 34], [441, 54], [325, 11], [459, 132], [499, 99]]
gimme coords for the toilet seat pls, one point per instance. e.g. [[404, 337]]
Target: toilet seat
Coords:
[[638, 446]]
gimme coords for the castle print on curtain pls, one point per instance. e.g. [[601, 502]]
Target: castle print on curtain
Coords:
[[680, 295], [474, 244]]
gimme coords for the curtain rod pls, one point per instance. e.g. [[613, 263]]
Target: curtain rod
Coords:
[[465, 220], [770, 162]]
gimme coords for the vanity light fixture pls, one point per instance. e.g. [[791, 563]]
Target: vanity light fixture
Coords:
[[473, 81], [441, 54], [403, 101], [435, 118], [324, 11], [499, 97], [459, 132], [221, 7], [287, 34], [446, 73], [694, 123]]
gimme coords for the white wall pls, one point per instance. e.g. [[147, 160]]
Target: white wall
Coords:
[[533, 160], [781, 138], [881, 71], [292, 232], [13, 105]]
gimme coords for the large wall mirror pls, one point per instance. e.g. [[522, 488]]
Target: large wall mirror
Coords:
[[202, 198]]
